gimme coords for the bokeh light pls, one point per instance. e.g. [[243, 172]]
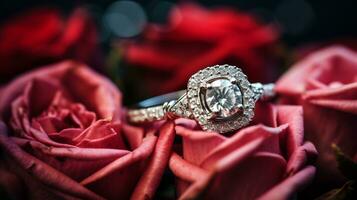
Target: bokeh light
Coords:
[[125, 18]]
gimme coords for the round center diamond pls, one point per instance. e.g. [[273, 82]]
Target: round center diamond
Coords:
[[223, 98]]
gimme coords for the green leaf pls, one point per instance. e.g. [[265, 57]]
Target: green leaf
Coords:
[[348, 191], [345, 164]]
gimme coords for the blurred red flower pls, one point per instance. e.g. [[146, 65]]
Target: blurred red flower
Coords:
[[268, 160], [41, 36], [325, 83], [195, 38], [63, 138]]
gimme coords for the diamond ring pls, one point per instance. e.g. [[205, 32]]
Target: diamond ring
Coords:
[[220, 98]]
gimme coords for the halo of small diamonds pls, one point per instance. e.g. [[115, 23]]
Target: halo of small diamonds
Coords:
[[199, 81]]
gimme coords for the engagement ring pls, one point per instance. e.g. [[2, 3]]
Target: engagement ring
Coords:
[[220, 98]]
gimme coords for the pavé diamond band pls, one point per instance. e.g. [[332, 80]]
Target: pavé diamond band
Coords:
[[219, 98]]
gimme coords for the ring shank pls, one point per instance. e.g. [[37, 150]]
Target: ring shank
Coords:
[[159, 100], [149, 114], [153, 109]]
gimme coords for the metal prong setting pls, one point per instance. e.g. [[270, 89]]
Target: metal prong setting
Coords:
[[207, 119]]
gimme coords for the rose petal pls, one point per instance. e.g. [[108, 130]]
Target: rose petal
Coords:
[[294, 137], [118, 179], [265, 113], [106, 129], [343, 92], [294, 82], [287, 188], [185, 170], [197, 189], [325, 126], [66, 135], [245, 180], [49, 124], [14, 88], [197, 144], [342, 105], [133, 135], [142, 152], [343, 98], [187, 123], [150, 180], [300, 157], [95, 91], [73, 152], [33, 95], [241, 145], [9, 182], [114, 141], [43, 138]]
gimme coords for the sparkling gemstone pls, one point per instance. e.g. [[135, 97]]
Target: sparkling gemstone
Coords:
[[223, 98]]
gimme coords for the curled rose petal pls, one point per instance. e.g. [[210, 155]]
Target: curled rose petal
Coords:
[[319, 65], [287, 188], [239, 146], [43, 138], [332, 98], [134, 134], [301, 155], [193, 149], [150, 180], [293, 116], [196, 190], [95, 92], [73, 152], [143, 151], [185, 170]]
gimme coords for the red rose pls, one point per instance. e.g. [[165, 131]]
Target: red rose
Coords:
[[63, 139], [195, 38], [265, 161], [41, 36], [325, 83]]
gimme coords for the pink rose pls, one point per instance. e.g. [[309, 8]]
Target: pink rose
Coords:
[[325, 83], [62, 138], [268, 160]]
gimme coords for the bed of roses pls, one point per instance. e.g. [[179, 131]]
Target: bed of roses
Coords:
[[64, 132]]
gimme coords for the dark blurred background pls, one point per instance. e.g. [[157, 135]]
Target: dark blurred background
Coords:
[[301, 21]]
